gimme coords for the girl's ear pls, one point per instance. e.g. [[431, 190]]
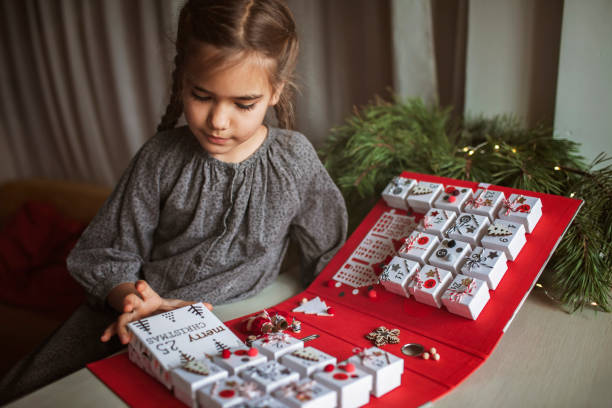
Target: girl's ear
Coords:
[[276, 95]]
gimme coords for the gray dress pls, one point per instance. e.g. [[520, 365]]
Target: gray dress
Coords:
[[195, 228]]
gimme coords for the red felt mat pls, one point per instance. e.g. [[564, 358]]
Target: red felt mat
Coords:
[[463, 344]]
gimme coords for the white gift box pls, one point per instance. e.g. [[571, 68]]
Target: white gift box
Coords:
[[164, 338], [353, 385], [485, 202], [227, 392], [429, 283], [522, 209], [269, 375], [485, 264], [466, 296], [418, 246], [385, 368], [450, 254], [396, 191], [307, 393], [274, 345], [506, 236], [453, 198], [307, 360], [267, 401], [422, 195], [193, 375], [437, 221], [397, 275], [238, 359], [468, 228]]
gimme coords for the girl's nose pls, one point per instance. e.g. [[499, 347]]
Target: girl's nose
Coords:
[[218, 117]]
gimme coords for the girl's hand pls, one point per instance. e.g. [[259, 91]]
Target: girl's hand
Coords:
[[138, 304]]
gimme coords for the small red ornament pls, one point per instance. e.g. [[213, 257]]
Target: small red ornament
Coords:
[[372, 294], [524, 208], [452, 199], [252, 352], [429, 283], [449, 190], [329, 368], [341, 376], [349, 367], [423, 240], [227, 393], [331, 310], [226, 353]]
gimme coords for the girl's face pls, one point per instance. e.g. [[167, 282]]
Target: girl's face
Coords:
[[225, 108]]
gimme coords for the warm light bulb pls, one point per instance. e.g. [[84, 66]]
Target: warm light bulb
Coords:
[[496, 147], [557, 168], [594, 303], [572, 195], [539, 285], [465, 149], [471, 152], [513, 150]]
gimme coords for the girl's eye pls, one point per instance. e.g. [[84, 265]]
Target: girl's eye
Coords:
[[245, 107], [200, 98]]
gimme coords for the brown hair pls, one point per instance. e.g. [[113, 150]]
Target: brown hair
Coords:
[[234, 26]]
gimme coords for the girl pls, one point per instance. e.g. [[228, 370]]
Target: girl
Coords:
[[203, 212]]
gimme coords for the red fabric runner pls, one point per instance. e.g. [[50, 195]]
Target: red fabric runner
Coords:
[[463, 344]]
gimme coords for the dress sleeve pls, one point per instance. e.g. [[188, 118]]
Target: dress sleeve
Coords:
[[320, 226], [119, 239]]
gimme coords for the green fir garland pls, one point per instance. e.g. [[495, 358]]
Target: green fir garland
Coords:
[[384, 138]]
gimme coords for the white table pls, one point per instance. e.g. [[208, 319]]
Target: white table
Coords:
[[547, 358]]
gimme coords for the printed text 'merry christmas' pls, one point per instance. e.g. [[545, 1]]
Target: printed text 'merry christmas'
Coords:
[[175, 333]]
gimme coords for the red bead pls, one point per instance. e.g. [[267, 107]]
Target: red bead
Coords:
[[226, 353], [253, 352], [452, 199], [349, 367], [372, 294], [328, 368], [423, 240], [227, 393]]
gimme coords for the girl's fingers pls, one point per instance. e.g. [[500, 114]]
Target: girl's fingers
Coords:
[[131, 302], [145, 290], [122, 330], [109, 332]]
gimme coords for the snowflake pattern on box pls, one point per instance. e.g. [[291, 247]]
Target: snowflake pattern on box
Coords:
[[375, 248]]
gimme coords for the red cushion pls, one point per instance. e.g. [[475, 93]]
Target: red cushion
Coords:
[[34, 245]]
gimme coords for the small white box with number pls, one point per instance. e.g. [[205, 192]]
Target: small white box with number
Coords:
[[468, 228], [450, 254], [523, 209], [386, 369], [307, 393], [429, 283], [353, 385], [485, 202], [396, 192], [437, 221], [418, 246], [486, 264], [422, 195], [397, 275], [307, 360], [507, 236], [453, 198], [466, 296], [269, 375]]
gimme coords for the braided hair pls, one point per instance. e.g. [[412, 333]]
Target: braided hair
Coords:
[[261, 26]]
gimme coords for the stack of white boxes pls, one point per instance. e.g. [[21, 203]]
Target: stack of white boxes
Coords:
[[463, 237]]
